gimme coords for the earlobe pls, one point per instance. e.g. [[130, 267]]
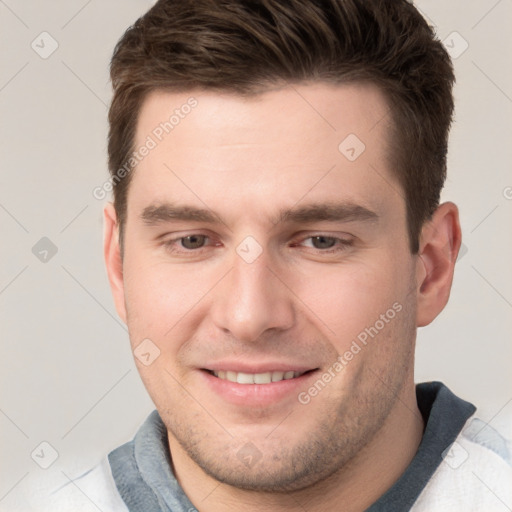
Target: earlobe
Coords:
[[439, 246], [113, 261]]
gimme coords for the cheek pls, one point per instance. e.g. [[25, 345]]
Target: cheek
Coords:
[[346, 300], [159, 296], [149, 294], [159, 301]]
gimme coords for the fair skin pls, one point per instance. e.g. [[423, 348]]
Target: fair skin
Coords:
[[324, 275]]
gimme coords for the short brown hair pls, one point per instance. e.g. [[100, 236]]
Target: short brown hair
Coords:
[[246, 46]]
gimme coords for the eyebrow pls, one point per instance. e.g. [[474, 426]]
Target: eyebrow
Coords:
[[307, 214], [157, 214], [330, 212]]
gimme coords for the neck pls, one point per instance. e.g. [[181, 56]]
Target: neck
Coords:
[[357, 485]]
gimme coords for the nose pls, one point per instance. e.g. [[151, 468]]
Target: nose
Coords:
[[251, 300]]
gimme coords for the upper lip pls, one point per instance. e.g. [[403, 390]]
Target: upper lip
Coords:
[[241, 367]]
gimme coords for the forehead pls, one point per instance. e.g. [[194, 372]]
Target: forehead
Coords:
[[318, 109], [318, 140]]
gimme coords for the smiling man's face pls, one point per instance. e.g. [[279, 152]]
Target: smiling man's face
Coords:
[[255, 248]]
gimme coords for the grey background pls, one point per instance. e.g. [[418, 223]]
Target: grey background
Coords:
[[67, 374]]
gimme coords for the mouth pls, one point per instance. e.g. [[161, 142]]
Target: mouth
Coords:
[[250, 385], [257, 378]]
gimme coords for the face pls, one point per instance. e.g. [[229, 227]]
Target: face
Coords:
[[267, 259]]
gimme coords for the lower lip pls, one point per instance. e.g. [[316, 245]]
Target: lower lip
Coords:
[[256, 395]]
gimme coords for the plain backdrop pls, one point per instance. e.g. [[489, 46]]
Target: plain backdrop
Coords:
[[67, 373]]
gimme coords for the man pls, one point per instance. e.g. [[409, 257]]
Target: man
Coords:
[[275, 240]]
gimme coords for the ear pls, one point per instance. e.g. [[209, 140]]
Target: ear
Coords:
[[113, 261], [439, 246]]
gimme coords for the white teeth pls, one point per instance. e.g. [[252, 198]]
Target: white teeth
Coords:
[[262, 378], [255, 378], [245, 378], [277, 376], [231, 376]]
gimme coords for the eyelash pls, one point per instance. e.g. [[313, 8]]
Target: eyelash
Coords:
[[342, 244], [171, 244]]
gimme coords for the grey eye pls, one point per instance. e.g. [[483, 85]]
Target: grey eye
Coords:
[[323, 242], [193, 241]]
